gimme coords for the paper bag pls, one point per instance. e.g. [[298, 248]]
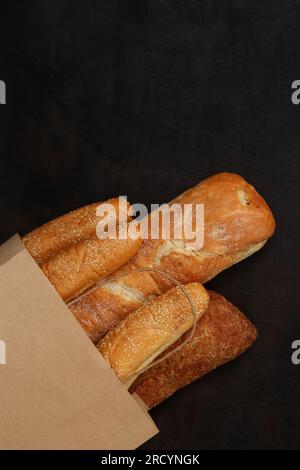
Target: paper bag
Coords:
[[56, 391]]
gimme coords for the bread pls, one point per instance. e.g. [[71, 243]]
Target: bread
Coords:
[[83, 264], [238, 222], [222, 334], [58, 234], [149, 330], [115, 302], [70, 253]]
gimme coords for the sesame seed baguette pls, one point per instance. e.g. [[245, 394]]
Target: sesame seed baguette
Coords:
[[222, 334], [81, 265], [237, 223], [103, 309], [151, 329], [58, 234]]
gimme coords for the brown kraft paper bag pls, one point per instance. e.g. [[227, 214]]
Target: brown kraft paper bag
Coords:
[[56, 391]]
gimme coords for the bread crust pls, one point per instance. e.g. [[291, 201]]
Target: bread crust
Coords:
[[149, 330], [58, 234], [105, 308], [222, 334], [238, 222], [83, 264]]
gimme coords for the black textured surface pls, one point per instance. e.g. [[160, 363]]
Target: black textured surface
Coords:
[[146, 98]]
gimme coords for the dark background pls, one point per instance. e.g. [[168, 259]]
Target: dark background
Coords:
[[146, 98]]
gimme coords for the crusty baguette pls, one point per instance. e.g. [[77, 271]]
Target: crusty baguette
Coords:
[[58, 234], [149, 330], [238, 222], [83, 264], [116, 301], [222, 333]]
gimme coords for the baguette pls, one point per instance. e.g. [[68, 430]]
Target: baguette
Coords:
[[222, 334], [81, 265], [238, 222], [117, 300], [58, 234], [149, 330]]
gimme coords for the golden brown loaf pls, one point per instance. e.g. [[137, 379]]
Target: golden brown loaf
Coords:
[[151, 329], [72, 256], [58, 234], [238, 222], [100, 313], [222, 333], [81, 265]]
